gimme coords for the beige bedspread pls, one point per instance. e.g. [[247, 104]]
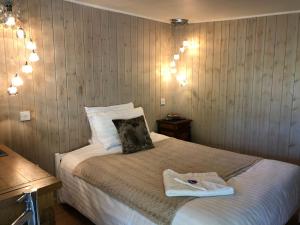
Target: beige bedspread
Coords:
[[136, 179]]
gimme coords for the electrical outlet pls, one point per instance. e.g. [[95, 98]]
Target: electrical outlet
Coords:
[[162, 101], [24, 116]]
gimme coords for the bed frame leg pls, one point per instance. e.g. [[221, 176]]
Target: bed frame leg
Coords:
[[57, 157]]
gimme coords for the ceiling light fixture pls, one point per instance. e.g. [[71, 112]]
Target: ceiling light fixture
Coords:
[[179, 21]]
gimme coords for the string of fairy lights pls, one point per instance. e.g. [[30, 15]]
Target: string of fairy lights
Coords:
[[10, 18], [181, 77], [192, 45]]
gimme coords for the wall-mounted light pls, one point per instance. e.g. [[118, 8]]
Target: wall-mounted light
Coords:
[[176, 57], [166, 73], [34, 57], [7, 15], [26, 68], [181, 49], [182, 79], [173, 64], [17, 81], [12, 90], [186, 44], [10, 16], [173, 70], [10, 21], [21, 33], [31, 45]]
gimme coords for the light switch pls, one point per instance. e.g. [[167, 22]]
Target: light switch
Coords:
[[25, 116], [162, 101]]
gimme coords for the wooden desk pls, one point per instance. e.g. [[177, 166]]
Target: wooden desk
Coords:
[[18, 174]]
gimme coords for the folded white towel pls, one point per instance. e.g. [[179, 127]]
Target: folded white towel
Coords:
[[195, 184]]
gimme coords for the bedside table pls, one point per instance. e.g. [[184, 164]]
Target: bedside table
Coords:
[[180, 129]]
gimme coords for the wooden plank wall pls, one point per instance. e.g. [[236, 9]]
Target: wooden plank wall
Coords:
[[243, 90], [5, 127], [89, 57], [245, 85]]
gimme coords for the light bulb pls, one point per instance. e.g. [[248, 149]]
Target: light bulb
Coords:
[[182, 79], [173, 70], [181, 49], [16, 81], [21, 33], [173, 64], [34, 57], [10, 21], [194, 44], [27, 68], [12, 90], [176, 57], [31, 45], [186, 44]]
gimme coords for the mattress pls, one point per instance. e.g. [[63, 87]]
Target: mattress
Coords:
[[266, 194]]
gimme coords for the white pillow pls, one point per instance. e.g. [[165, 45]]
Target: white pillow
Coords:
[[105, 131], [91, 110]]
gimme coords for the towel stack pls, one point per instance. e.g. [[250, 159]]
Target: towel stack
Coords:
[[195, 184]]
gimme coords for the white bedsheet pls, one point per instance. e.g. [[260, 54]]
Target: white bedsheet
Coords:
[[267, 194]]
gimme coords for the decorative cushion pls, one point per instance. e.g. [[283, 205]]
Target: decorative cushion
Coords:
[[133, 134]]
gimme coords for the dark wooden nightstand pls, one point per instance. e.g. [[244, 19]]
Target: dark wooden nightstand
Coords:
[[180, 129]]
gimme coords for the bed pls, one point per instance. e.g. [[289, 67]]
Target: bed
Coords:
[[268, 193]]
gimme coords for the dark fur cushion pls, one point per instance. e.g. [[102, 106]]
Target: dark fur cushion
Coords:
[[133, 134]]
